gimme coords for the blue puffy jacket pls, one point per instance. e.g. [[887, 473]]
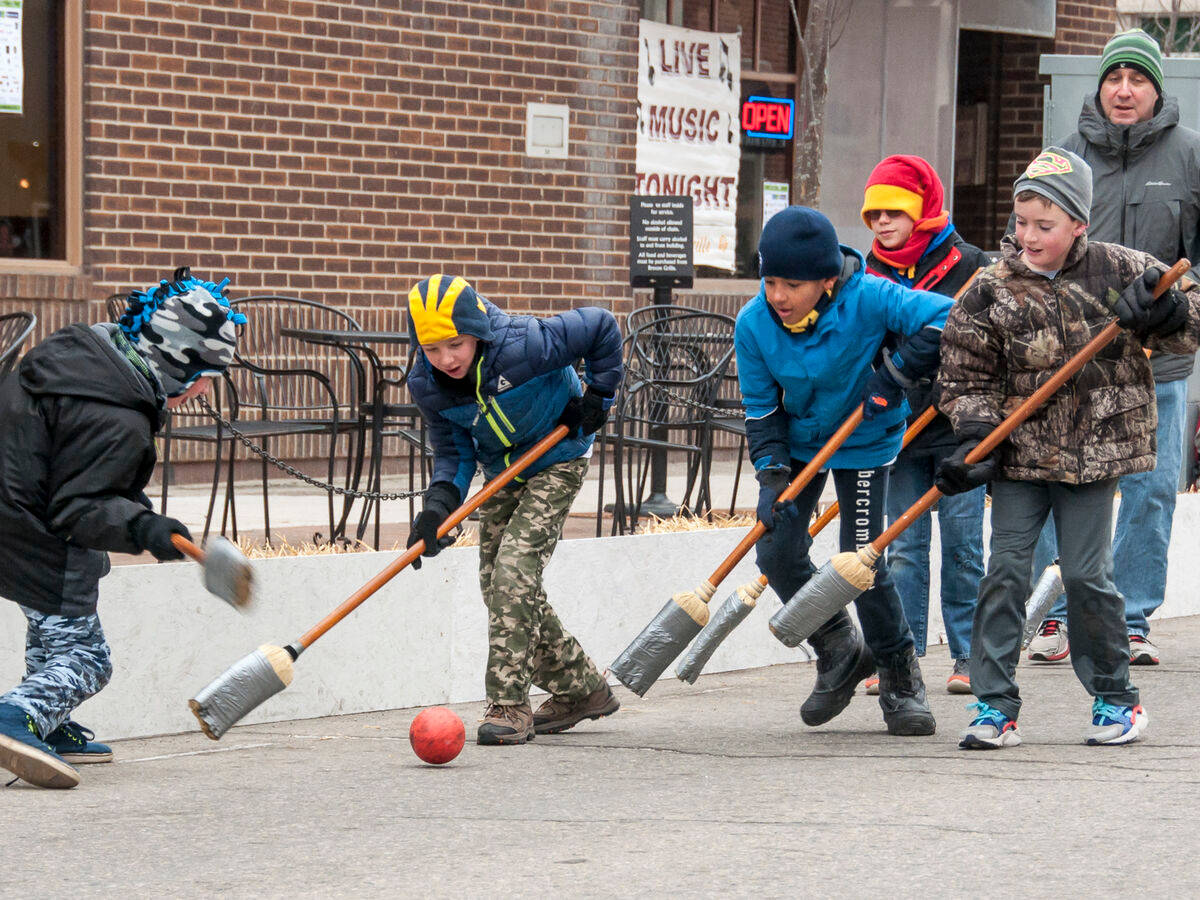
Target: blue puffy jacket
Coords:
[[521, 380], [799, 388]]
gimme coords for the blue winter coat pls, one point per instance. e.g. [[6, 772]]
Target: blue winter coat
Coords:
[[524, 377], [818, 377]]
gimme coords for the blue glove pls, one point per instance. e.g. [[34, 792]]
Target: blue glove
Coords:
[[771, 483], [881, 394]]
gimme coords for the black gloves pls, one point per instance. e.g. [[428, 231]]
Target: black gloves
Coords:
[[441, 499], [955, 475], [1138, 311], [771, 483], [881, 394], [585, 415], [153, 532]]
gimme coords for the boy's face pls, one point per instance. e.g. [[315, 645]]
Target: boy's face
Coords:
[[892, 227], [1127, 97], [793, 300], [453, 355], [1045, 233], [195, 389]]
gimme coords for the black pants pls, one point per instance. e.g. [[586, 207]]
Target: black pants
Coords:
[[1095, 609], [783, 554]]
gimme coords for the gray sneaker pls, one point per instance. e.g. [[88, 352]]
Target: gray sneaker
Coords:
[[1050, 644], [959, 681]]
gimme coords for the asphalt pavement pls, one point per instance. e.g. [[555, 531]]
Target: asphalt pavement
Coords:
[[715, 789]]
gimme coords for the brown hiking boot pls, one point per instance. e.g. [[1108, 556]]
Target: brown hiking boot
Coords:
[[506, 724], [560, 713]]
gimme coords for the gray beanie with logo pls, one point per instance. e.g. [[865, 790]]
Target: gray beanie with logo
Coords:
[[1062, 178]]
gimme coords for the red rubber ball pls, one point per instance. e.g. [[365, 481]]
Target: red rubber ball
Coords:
[[437, 735]]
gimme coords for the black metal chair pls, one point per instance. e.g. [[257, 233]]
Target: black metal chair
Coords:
[[308, 392], [15, 329], [675, 361]]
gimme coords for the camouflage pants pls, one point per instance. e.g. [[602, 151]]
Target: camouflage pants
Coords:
[[66, 661], [527, 644]]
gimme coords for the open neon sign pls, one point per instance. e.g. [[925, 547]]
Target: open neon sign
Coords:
[[768, 117]]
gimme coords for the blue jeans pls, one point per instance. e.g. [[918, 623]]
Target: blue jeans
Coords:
[[960, 526], [1144, 518]]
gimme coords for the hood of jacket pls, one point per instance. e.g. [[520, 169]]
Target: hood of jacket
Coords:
[[1113, 139], [83, 361]]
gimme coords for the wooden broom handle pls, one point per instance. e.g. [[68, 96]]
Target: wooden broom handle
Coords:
[[452, 521], [831, 511], [1022, 412], [187, 548]]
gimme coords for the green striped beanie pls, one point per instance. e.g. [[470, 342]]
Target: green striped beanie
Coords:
[[1136, 49]]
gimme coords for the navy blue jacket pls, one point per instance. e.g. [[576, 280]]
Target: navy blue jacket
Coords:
[[520, 382]]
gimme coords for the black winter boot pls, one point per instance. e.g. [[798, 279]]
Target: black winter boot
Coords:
[[902, 695], [843, 660]]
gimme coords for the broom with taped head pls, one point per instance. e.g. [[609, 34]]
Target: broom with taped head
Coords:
[[268, 670], [848, 574], [741, 603], [680, 620]]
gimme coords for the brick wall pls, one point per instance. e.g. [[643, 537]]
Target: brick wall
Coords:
[[342, 151]]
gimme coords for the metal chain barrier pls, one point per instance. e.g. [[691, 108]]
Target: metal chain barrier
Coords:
[[296, 473], [694, 404]]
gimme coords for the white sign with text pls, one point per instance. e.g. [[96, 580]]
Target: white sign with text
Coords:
[[689, 132]]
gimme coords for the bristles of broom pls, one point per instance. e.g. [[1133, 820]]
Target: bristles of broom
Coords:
[[857, 568], [241, 688], [667, 635], [736, 607]]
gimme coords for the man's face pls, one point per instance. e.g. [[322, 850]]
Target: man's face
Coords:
[[1045, 233], [453, 355], [793, 300], [1127, 96]]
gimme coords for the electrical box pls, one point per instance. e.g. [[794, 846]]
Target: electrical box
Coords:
[[547, 127]]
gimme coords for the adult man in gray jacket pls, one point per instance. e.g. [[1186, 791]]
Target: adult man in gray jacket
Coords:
[[1146, 196]]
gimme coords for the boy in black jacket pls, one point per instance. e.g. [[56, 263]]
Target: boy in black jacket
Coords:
[[76, 452], [917, 245]]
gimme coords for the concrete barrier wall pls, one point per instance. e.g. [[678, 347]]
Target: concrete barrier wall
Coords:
[[422, 639]]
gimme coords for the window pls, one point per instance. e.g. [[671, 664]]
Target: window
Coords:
[[40, 116]]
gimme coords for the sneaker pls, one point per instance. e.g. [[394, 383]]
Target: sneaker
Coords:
[[989, 730], [560, 713], [508, 724], [75, 744], [871, 685], [27, 756], [959, 681], [1141, 651], [1116, 724], [1050, 644]]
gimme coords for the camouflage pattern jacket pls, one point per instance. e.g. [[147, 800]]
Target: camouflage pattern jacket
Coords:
[[1014, 328]]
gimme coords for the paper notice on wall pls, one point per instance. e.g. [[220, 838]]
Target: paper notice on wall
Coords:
[[12, 69], [689, 131], [775, 198]]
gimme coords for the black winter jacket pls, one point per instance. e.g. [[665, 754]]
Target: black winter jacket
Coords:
[[937, 438], [77, 425]]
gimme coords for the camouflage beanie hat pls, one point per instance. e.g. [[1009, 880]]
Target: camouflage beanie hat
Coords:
[[183, 329]]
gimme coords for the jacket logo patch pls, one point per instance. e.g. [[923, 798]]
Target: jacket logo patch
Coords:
[[1048, 163], [502, 384], [1158, 184]]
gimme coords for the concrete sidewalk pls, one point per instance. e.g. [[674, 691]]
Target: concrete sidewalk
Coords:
[[711, 790]]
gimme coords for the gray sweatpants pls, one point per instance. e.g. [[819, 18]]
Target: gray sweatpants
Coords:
[[1095, 609]]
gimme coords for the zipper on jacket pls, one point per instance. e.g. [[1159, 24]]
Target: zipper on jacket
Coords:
[[483, 407], [1124, 185]]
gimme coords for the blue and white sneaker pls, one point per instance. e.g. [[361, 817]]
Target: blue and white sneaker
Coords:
[[989, 730], [1116, 724], [27, 756], [77, 744]]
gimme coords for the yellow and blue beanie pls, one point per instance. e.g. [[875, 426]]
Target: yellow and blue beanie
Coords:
[[445, 306]]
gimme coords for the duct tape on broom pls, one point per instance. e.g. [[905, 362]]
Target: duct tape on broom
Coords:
[[680, 620], [268, 670], [741, 603], [1047, 590], [847, 575]]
